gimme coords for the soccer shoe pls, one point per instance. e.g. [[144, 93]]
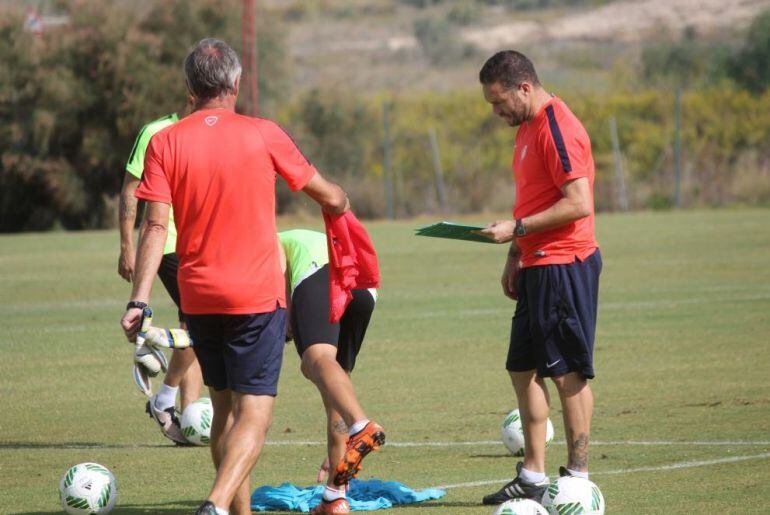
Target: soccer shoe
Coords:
[[369, 439], [168, 421], [207, 508], [331, 507], [517, 489]]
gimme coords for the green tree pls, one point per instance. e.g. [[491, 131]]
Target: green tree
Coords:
[[73, 99], [750, 66]]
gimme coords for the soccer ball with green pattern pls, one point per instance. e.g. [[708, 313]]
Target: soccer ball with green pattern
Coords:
[[196, 421], [88, 488], [573, 496], [512, 433], [520, 507]]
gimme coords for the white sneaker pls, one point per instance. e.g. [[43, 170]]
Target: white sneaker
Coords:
[[168, 420]]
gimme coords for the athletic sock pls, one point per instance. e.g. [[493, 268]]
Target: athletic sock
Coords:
[[529, 476], [166, 397], [358, 426], [221, 511], [332, 494], [577, 473]]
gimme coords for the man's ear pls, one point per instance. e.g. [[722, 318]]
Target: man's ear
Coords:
[[237, 85]]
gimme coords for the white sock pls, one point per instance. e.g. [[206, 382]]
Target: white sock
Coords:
[[358, 426], [221, 511], [166, 397], [577, 473], [332, 494], [529, 476]]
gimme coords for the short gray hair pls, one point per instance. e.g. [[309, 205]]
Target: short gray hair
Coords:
[[212, 69]]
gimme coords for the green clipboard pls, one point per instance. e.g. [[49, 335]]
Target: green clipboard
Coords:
[[453, 231]]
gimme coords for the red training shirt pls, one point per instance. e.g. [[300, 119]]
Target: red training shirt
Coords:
[[218, 170], [551, 150]]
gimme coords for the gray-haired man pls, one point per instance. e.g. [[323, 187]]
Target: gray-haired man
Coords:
[[218, 169]]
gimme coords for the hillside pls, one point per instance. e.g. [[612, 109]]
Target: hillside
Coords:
[[375, 46]]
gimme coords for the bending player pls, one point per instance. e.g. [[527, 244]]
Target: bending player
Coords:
[[328, 353], [183, 372]]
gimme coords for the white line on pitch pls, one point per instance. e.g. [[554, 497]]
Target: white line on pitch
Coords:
[[657, 468], [480, 443]]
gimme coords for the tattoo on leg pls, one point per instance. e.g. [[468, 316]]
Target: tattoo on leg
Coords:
[[339, 426], [578, 454]]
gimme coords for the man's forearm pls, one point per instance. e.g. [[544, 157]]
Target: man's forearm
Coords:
[[561, 213], [127, 212], [148, 257], [576, 203]]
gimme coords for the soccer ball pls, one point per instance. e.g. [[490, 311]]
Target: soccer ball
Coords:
[[88, 488], [573, 495], [520, 507], [196, 421], [513, 434]]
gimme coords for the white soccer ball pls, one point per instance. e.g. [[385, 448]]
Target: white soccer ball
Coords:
[[512, 433], [520, 507], [573, 495], [88, 488], [196, 421]]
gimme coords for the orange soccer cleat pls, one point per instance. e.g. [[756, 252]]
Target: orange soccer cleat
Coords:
[[369, 439], [331, 507]]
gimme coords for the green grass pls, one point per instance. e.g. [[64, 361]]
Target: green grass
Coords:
[[681, 356]]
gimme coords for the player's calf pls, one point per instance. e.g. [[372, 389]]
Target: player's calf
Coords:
[[359, 445]]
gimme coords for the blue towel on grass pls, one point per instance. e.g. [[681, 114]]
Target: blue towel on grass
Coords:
[[368, 495]]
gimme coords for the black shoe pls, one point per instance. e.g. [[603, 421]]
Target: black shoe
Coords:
[[517, 489], [207, 508]]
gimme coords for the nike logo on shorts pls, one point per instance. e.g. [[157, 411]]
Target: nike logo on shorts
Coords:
[[552, 364]]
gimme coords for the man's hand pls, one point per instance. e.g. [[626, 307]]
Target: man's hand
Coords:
[[126, 263], [510, 274], [500, 231], [323, 471], [130, 323]]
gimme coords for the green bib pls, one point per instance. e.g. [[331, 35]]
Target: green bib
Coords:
[[135, 166]]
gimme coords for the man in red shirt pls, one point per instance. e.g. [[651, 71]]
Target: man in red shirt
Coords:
[[552, 269], [218, 169]]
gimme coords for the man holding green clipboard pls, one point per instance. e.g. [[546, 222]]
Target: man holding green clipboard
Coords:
[[552, 268]]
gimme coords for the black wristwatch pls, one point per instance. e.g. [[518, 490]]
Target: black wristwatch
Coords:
[[136, 304], [520, 230]]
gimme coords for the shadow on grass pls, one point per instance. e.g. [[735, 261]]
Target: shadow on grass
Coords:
[[506, 456], [81, 445], [168, 508], [438, 506]]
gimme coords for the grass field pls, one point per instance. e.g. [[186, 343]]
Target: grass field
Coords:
[[682, 422]]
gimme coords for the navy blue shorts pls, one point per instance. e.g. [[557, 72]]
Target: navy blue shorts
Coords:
[[242, 353], [555, 320], [310, 318]]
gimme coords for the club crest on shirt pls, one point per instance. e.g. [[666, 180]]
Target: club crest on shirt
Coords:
[[523, 153], [211, 120]]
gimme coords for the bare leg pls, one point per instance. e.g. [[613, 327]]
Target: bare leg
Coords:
[[319, 364], [532, 395], [336, 440], [237, 437], [577, 402], [184, 372]]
